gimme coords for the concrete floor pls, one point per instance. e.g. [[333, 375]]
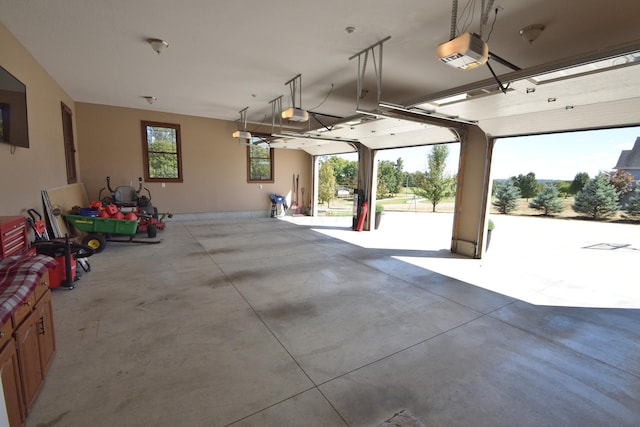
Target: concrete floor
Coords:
[[266, 322]]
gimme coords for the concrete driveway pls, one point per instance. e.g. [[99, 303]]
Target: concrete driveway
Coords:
[[543, 261]]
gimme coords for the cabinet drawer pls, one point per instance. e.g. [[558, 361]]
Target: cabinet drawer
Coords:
[[42, 287], [5, 333], [24, 310], [13, 235]]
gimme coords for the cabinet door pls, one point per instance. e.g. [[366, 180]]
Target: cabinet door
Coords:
[[10, 373], [46, 334], [29, 356]]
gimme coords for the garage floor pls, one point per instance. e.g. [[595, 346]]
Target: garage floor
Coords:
[[266, 322]]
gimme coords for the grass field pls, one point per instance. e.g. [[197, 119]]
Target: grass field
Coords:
[[410, 203]]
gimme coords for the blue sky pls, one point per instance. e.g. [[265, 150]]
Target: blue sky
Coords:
[[557, 156]]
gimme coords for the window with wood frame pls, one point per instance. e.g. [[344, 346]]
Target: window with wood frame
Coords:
[[161, 152], [260, 161], [69, 146]]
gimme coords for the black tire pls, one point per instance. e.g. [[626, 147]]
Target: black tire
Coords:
[[152, 230], [82, 250], [97, 242], [56, 248]]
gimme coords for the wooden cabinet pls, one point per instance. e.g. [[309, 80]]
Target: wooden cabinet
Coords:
[[46, 334], [29, 346], [11, 384], [27, 340], [13, 236]]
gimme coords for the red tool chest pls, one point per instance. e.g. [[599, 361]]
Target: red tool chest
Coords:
[[13, 236]]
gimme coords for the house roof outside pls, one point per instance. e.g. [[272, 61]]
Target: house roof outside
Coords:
[[629, 160]]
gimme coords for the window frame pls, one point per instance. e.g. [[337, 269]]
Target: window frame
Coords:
[[69, 144], [271, 158], [145, 150]]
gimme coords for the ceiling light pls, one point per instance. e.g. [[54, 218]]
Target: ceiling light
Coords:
[[150, 99], [242, 132], [531, 32], [450, 99], [466, 52], [592, 67], [295, 113], [158, 45]]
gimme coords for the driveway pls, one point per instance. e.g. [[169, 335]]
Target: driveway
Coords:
[[543, 261]]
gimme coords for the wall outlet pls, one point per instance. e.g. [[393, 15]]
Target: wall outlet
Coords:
[[163, 185]]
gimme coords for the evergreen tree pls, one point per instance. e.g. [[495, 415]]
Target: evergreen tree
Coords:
[[528, 185], [548, 200], [581, 179], [507, 196], [435, 184], [327, 183], [597, 199], [633, 206]]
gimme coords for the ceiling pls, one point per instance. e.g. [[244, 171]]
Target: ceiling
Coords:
[[225, 56]]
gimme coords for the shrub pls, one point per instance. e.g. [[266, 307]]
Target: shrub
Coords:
[[633, 206], [597, 199], [506, 197], [548, 200]]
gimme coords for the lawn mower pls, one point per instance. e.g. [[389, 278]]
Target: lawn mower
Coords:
[[127, 199]]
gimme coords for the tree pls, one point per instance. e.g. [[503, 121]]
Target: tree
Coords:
[[163, 162], [345, 171], [547, 200], [622, 181], [387, 184], [435, 184], [564, 188], [597, 199], [400, 175], [507, 196], [581, 179], [327, 183], [528, 185], [633, 206]]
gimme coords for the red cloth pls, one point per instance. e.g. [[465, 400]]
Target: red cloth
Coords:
[[19, 275]]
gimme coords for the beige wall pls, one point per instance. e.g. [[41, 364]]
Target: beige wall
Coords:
[[108, 142], [214, 164], [27, 171]]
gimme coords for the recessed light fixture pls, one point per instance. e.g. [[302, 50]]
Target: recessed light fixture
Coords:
[[552, 99], [569, 107], [158, 45], [350, 29], [531, 32], [531, 89], [151, 99]]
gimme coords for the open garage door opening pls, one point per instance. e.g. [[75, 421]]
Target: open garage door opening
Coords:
[[566, 232]]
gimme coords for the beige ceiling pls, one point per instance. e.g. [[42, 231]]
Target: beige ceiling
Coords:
[[224, 56]]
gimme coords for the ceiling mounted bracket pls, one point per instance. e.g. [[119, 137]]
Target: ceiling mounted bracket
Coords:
[[276, 117], [295, 113], [363, 58], [242, 133]]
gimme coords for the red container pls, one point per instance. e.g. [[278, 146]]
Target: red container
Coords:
[[57, 275]]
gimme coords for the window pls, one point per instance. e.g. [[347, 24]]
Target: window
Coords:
[[161, 152], [259, 163], [69, 147]]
